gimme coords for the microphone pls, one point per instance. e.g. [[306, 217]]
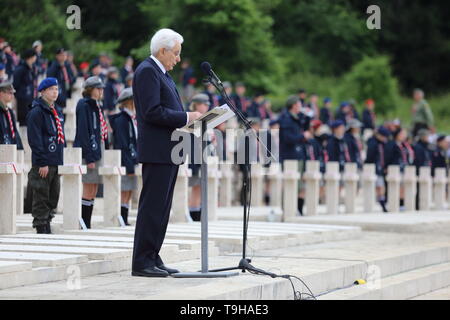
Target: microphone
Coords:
[[206, 68]]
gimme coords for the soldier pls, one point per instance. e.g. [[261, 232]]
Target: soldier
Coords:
[[325, 112], [422, 116], [8, 129], [92, 137], [293, 138], [45, 130], [337, 148], [61, 70], [368, 116], [112, 90], [25, 83], [124, 136], [439, 158], [353, 139], [376, 155]]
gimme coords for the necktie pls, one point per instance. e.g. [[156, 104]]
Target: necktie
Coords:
[[58, 125], [103, 126], [346, 153], [8, 113], [403, 152], [66, 77], [311, 152], [381, 150]]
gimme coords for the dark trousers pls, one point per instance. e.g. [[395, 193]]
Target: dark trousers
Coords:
[[22, 111], [155, 202], [45, 194]]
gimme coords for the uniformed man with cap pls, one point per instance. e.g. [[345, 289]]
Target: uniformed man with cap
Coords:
[[92, 137], [376, 154], [124, 127], [61, 70], [439, 158], [353, 139], [112, 89], [45, 128], [8, 128], [25, 84]]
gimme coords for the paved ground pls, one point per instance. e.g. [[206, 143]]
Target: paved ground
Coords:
[[323, 267]]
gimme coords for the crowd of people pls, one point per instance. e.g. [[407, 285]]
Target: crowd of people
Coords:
[[106, 118]]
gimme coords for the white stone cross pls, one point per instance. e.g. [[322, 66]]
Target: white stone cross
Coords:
[[351, 179], [180, 205], [112, 172], [440, 182], [425, 188], [393, 178], [290, 189], [312, 177], [276, 184], [332, 178], [8, 197], [410, 188], [369, 179], [72, 188]]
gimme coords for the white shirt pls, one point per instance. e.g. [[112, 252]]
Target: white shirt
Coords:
[[160, 65]]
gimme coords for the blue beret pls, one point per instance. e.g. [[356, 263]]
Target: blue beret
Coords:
[[384, 131], [344, 103], [47, 83], [2, 66], [326, 100], [336, 123]]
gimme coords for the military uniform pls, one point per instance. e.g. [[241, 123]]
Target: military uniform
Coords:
[[47, 150]]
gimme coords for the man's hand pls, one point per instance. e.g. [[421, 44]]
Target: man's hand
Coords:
[[43, 172], [194, 115], [91, 165]]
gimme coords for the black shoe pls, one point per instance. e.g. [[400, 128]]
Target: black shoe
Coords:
[[150, 272], [168, 270], [124, 214], [41, 229]]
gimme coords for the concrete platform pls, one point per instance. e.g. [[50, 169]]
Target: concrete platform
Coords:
[[423, 222], [409, 266]]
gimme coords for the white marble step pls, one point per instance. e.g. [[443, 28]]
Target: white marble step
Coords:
[[13, 266], [44, 259], [183, 244], [92, 253], [68, 243], [402, 286]]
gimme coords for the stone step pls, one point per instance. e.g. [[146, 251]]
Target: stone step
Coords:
[[43, 259], [182, 244], [13, 266], [68, 243], [402, 286], [44, 274], [92, 253], [441, 294]]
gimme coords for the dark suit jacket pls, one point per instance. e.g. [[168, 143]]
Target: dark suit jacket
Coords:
[[159, 112]]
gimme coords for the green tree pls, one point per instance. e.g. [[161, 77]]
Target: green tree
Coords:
[[234, 36], [372, 78], [331, 31]]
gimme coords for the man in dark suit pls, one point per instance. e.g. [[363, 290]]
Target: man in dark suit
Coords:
[[159, 112]]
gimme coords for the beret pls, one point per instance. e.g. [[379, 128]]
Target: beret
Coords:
[[47, 83]]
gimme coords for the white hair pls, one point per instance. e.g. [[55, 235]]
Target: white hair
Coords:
[[164, 38]]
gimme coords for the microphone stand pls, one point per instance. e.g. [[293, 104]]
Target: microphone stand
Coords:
[[244, 263]]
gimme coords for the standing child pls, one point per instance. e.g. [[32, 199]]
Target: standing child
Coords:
[[91, 136], [124, 138], [46, 139]]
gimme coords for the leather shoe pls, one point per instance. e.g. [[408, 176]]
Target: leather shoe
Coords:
[[167, 269], [150, 272]]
